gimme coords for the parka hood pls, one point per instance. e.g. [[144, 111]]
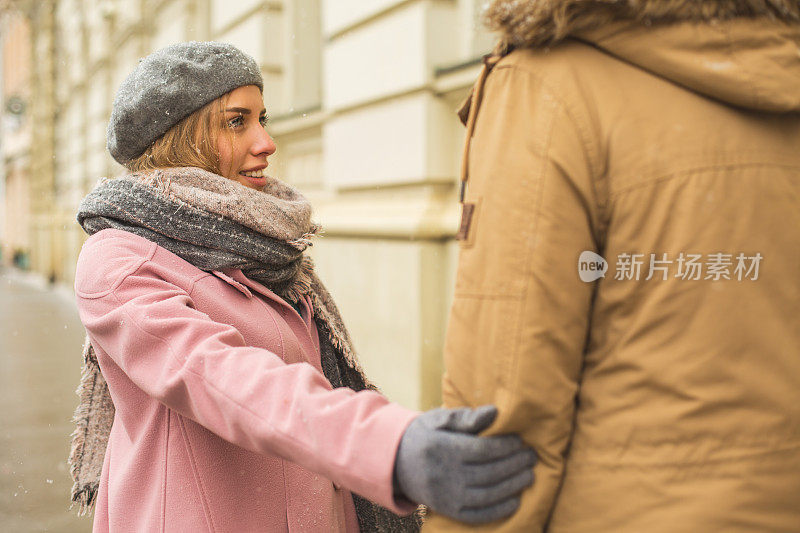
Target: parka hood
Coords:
[[743, 52]]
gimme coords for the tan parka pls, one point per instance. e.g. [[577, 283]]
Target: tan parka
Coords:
[[665, 138]]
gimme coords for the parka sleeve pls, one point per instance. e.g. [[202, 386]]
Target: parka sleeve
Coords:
[[520, 316], [148, 327]]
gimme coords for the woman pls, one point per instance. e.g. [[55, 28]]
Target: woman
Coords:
[[220, 346]]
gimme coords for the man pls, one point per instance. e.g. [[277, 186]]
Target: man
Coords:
[[628, 288]]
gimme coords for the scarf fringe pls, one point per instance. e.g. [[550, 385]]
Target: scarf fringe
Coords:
[[94, 400], [304, 242], [340, 340], [84, 497]]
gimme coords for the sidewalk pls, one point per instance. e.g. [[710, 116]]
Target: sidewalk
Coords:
[[40, 343]]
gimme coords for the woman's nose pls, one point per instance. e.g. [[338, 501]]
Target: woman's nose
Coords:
[[264, 144]]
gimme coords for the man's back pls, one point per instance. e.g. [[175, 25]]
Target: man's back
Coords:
[[664, 396]]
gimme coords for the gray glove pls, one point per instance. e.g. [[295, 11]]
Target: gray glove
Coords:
[[444, 465]]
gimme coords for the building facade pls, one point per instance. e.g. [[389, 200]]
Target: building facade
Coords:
[[361, 96], [15, 140]]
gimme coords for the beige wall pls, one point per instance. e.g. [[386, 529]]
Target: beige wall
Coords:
[[390, 155], [15, 210], [17, 218], [362, 104]]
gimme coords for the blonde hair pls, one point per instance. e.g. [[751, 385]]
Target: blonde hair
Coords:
[[192, 142]]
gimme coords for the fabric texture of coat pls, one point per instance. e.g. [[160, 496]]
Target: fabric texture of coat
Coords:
[[664, 135], [225, 421]]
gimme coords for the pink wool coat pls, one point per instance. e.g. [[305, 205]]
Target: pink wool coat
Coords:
[[224, 420]]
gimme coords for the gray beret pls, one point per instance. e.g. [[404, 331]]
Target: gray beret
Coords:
[[168, 86]]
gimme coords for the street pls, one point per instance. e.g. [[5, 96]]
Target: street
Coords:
[[40, 360]]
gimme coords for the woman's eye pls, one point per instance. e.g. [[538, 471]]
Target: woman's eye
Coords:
[[236, 122], [263, 120]]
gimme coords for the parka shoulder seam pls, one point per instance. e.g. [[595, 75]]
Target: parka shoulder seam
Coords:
[[696, 170], [592, 156]]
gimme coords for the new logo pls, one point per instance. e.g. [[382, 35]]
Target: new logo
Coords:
[[591, 266]]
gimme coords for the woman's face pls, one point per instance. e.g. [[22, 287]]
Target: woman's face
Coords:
[[243, 155]]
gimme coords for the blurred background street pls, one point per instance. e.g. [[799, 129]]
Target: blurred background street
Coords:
[[40, 343]]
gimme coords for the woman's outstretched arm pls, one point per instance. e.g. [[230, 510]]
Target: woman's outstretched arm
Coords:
[[142, 321]]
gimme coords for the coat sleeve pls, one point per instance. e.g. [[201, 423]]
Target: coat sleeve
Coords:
[[520, 316], [148, 326]]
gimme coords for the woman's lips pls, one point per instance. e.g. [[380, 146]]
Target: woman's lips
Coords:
[[256, 177], [260, 181]]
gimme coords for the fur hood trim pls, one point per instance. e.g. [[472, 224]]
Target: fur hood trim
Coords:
[[534, 23]]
